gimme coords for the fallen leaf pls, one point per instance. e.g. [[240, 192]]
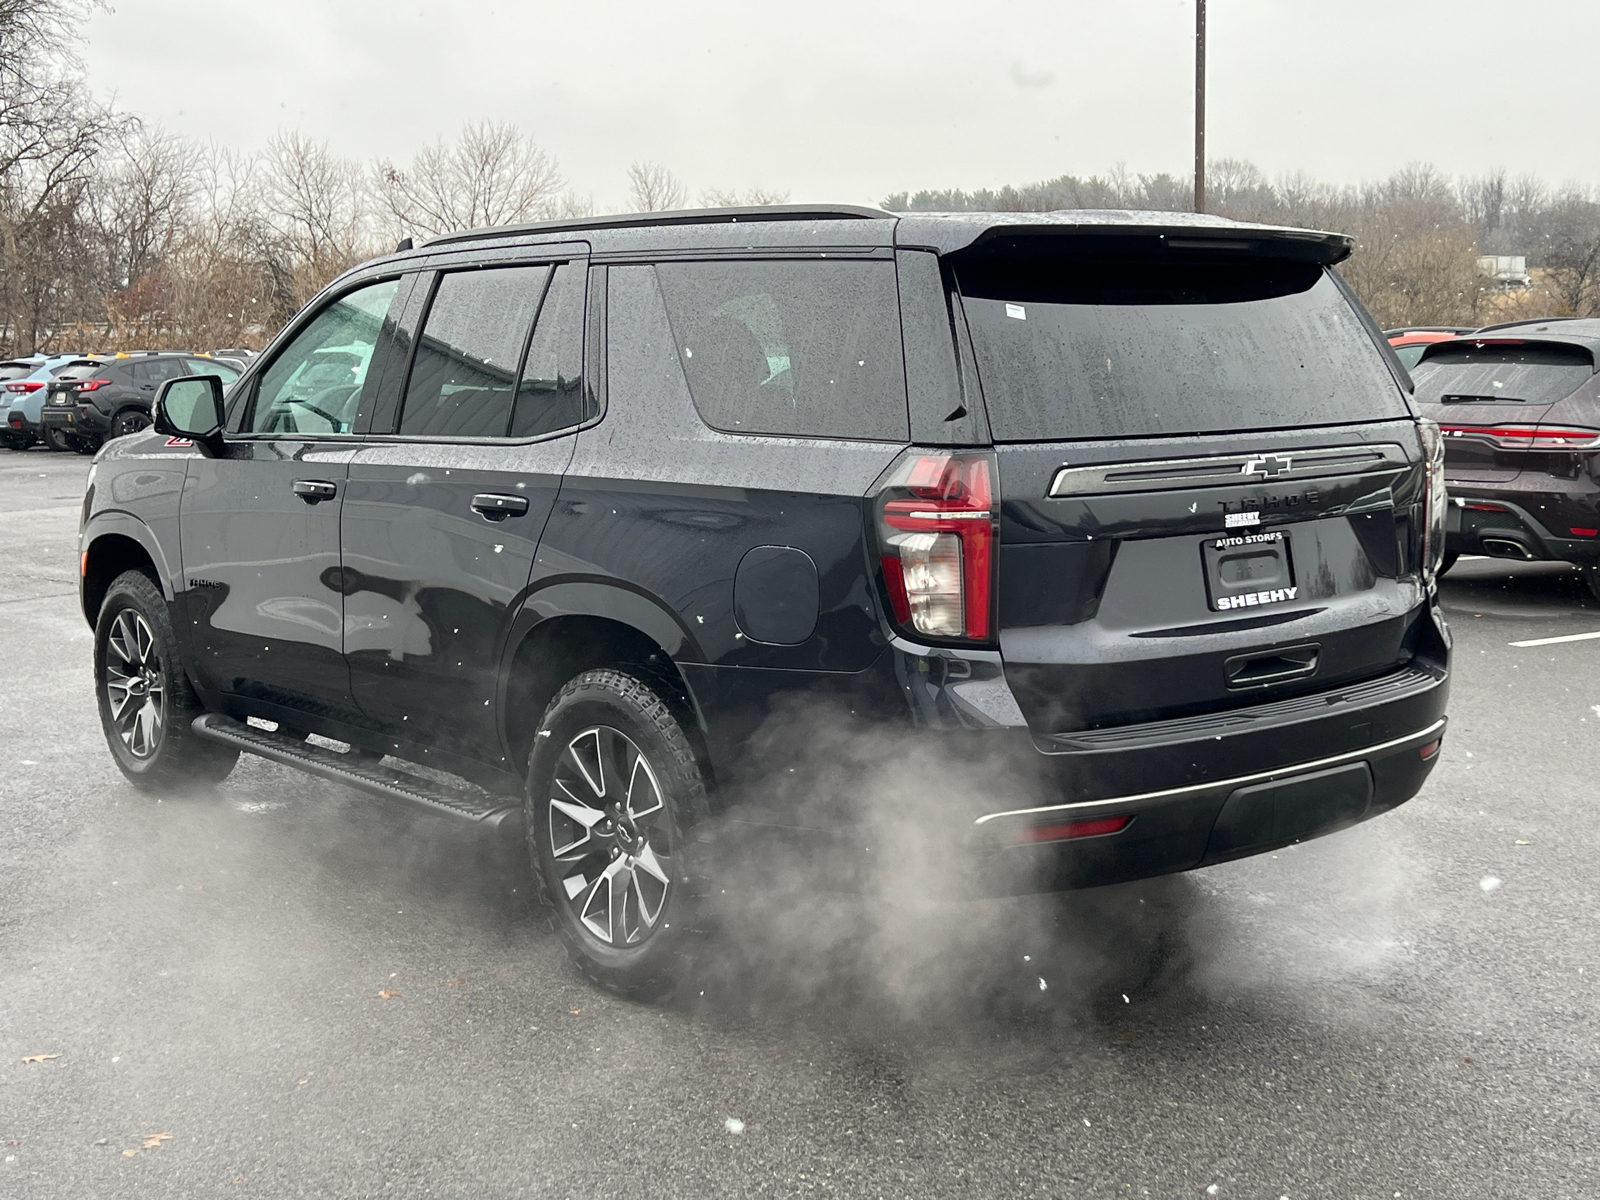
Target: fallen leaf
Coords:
[[391, 995], [153, 1142], [238, 1181], [454, 982], [130, 1154], [1520, 842], [1469, 1060], [32, 1058], [303, 1082], [576, 1011], [1125, 1035]]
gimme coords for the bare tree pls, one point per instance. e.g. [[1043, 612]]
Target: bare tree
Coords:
[[751, 198], [316, 204], [654, 188], [492, 174]]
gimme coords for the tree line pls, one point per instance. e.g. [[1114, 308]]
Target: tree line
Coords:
[[115, 234], [1419, 233]]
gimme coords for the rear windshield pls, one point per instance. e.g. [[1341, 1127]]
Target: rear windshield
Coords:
[[15, 370], [1099, 345], [1501, 372], [79, 371]]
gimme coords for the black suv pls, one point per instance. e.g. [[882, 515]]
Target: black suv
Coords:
[[96, 399], [1519, 409], [1125, 517]]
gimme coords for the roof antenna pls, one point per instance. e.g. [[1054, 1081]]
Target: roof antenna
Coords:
[[405, 244]]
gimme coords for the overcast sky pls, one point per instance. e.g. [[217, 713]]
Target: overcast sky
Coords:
[[850, 100]]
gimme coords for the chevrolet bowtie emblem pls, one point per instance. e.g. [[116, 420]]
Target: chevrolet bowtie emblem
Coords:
[[1269, 466]]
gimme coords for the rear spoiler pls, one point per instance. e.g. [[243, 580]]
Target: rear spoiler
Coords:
[[947, 233]]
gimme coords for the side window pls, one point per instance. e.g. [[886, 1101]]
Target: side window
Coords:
[[464, 376], [808, 348], [209, 366], [314, 384], [549, 394], [159, 370]]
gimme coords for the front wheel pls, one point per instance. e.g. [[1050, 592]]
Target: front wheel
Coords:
[[614, 786], [146, 701]]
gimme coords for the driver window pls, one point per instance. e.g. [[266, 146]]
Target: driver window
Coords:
[[314, 384]]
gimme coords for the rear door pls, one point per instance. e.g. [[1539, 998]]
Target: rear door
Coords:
[[1209, 478], [449, 494], [260, 525]]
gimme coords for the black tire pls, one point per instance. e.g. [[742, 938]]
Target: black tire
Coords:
[[53, 438], [610, 721], [1449, 561], [83, 445], [136, 660], [129, 420], [1591, 576]]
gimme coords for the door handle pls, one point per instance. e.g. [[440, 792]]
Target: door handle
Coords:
[[495, 507], [315, 491]]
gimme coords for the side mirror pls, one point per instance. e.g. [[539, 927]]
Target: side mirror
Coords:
[[191, 408]]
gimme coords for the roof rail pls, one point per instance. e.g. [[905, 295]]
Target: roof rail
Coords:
[[686, 216], [1529, 321]]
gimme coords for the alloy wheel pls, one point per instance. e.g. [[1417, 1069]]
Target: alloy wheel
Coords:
[[135, 687], [608, 828]]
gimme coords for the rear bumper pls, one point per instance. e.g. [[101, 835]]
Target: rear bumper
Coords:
[[1526, 525], [83, 420], [1197, 790]]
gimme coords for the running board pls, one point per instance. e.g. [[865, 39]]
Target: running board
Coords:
[[497, 813]]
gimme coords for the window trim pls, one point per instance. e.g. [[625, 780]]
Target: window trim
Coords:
[[250, 391]]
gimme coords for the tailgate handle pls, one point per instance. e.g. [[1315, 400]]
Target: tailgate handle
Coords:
[[1276, 666]]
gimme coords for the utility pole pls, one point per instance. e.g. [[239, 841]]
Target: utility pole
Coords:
[[1199, 106]]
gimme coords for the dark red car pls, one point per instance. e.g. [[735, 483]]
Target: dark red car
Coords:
[[1519, 408]]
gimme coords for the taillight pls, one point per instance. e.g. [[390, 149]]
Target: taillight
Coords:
[[90, 385], [1434, 500], [24, 386], [936, 526], [1528, 437]]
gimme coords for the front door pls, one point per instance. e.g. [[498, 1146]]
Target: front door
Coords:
[[260, 524], [443, 513]]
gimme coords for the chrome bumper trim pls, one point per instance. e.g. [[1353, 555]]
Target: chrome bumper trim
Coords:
[[1422, 735]]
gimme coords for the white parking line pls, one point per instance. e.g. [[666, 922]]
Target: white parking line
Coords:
[[1571, 637]]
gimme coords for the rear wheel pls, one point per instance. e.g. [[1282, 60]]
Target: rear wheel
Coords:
[[53, 438], [146, 701], [613, 788], [130, 420]]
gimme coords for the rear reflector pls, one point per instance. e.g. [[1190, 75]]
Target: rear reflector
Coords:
[[1483, 506], [1432, 748], [1097, 827], [1577, 532]]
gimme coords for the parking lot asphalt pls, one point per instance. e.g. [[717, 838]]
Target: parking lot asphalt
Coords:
[[1405, 1009]]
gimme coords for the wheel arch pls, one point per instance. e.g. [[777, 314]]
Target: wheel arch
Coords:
[[112, 544], [572, 628]]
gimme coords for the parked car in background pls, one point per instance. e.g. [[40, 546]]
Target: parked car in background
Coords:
[[94, 400], [1409, 344], [25, 395], [1519, 410]]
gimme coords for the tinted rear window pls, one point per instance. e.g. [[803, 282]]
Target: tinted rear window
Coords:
[[1503, 373], [1098, 345], [809, 348], [80, 371]]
